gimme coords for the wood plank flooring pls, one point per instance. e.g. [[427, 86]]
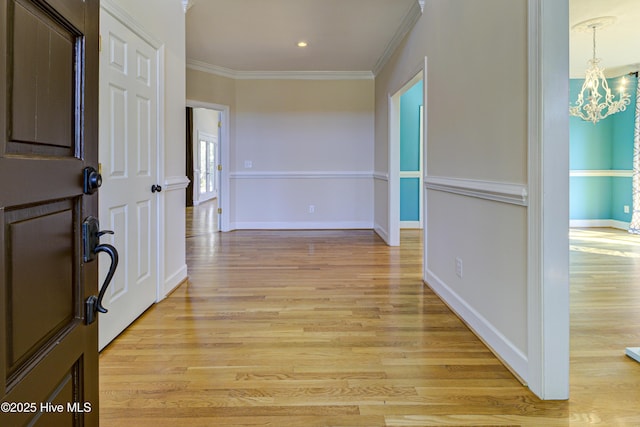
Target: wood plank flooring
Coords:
[[605, 319], [334, 328]]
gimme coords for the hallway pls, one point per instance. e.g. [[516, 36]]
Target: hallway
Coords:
[[327, 328]]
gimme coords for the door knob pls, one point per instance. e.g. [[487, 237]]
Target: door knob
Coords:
[[92, 180], [156, 188]]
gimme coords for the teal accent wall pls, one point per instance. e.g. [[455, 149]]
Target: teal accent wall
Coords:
[[409, 199], [589, 144], [607, 146], [410, 103], [621, 195], [590, 197]]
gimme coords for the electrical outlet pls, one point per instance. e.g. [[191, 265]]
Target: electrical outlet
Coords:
[[459, 267], [626, 208], [312, 208]]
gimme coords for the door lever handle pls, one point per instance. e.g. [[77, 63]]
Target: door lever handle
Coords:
[[113, 253], [91, 248], [93, 304]]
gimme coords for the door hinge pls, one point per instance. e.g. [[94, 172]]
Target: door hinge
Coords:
[[219, 167], [219, 210], [100, 43], [219, 124]]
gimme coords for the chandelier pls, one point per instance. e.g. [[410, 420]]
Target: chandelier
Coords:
[[595, 100]]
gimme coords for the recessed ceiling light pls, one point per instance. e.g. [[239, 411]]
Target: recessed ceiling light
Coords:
[[303, 44]]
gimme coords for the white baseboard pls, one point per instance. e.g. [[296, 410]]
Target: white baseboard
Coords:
[[199, 202], [173, 281], [303, 225], [634, 353], [411, 224], [606, 223], [497, 343], [382, 233]]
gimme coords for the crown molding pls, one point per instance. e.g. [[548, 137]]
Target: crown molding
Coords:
[[305, 75], [211, 69], [186, 5], [278, 75], [407, 24], [622, 70]]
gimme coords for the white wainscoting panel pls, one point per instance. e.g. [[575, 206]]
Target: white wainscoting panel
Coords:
[[514, 358], [302, 200]]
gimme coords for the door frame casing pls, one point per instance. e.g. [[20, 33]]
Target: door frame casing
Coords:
[[394, 154], [548, 194], [224, 186], [108, 6]]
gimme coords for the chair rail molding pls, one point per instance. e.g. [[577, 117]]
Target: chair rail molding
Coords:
[[614, 173], [302, 175], [173, 183], [516, 194]]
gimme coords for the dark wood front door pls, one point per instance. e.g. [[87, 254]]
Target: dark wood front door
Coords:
[[48, 135]]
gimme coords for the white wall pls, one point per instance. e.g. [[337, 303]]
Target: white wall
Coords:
[[309, 142], [165, 22], [205, 120], [476, 132]]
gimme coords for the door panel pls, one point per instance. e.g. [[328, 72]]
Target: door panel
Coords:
[[118, 218], [48, 135], [51, 223], [43, 116], [128, 154]]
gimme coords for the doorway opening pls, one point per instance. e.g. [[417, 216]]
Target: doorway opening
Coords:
[[206, 156], [207, 148], [406, 157], [601, 207]]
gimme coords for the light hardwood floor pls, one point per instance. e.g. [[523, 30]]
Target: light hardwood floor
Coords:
[[334, 328]]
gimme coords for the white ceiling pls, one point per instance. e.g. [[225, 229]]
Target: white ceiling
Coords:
[[617, 44], [261, 35], [352, 35]]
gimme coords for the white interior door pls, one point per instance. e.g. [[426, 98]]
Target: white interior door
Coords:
[[128, 157]]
